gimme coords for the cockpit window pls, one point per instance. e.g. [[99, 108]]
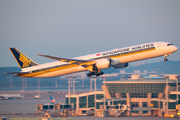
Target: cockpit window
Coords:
[[169, 44]]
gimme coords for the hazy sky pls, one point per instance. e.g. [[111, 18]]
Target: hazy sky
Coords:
[[66, 28]]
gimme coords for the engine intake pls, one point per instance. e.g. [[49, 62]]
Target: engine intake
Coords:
[[117, 64]]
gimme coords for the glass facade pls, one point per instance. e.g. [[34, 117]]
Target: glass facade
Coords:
[[73, 100], [98, 104], [135, 104], [144, 104], [138, 95], [91, 101], [82, 102], [154, 95], [172, 105], [135, 111], [67, 100], [161, 105], [173, 96], [155, 104], [99, 96], [133, 88], [144, 112], [123, 95], [119, 102]]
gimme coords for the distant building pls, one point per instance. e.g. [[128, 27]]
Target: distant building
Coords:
[[146, 96]]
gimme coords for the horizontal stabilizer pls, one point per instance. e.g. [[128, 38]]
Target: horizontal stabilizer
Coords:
[[65, 59], [19, 73]]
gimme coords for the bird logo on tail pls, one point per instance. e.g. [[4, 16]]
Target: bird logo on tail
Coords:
[[53, 100]]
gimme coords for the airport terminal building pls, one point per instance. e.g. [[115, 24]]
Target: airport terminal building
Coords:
[[147, 96]]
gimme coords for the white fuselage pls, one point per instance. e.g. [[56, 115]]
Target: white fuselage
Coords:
[[124, 55]]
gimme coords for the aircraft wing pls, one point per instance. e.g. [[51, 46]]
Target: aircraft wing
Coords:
[[65, 59]]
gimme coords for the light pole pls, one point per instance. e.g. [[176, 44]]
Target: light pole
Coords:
[[91, 84], [10, 81], [69, 92], [23, 86], [167, 93], [56, 83], [104, 78], [73, 85], [39, 87], [83, 77], [177, 89], [95, 78]]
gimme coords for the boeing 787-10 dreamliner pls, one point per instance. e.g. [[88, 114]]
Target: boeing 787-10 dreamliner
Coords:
[[94, 63]]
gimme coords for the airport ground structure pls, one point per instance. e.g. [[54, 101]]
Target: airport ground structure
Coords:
[[138, 96]]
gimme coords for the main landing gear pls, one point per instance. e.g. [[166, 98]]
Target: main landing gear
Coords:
[[93, 73]]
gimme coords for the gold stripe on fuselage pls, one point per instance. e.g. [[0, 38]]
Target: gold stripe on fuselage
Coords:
[[43, 71], [62, 67]]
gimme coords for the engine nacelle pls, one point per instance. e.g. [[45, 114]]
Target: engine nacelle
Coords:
[[120, 65], [103, 63], [117, 64]]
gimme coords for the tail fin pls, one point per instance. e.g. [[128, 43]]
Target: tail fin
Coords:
[[53, 101], [22, 59]]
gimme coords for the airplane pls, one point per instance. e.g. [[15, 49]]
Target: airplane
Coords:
[[53, 100], [10, 96], [94, 63]]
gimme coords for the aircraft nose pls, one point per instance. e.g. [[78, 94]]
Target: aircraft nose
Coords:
[[175, 48]]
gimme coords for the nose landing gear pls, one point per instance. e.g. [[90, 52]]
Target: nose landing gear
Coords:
[[165, 59]]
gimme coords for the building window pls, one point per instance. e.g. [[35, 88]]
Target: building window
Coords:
[[138, 95], [172, 96], [163, 95], [98, 104], [135, 104], [119, 102], [172, 105], [154, 95], [135, 111], [161, 105], [123, 95], [99, 96], [144, 112], [144, 104], [73, 100], [155, 104], [91, 101], [67, 100], [82, 102]]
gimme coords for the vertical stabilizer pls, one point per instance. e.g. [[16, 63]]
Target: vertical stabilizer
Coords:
[[53, 100], [22, 59]]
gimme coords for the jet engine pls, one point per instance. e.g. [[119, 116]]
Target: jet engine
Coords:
[[117, 64], [103, 63]]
